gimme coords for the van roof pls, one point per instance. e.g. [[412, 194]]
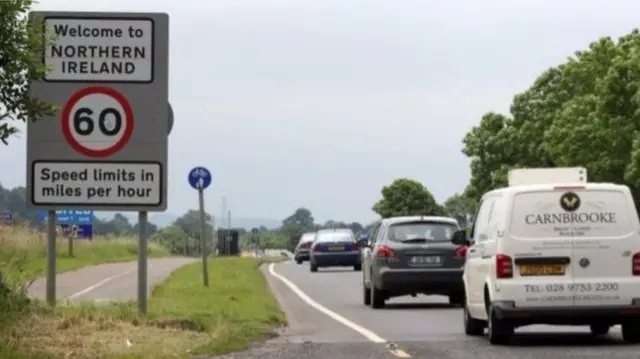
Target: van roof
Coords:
[[395, 220], [542, 187]]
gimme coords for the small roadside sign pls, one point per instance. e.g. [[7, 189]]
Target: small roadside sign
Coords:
[[199, 178], [70, 217], [6, 219]]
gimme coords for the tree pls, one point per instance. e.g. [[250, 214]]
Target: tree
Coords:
[[190, 224], [405, 197], [177, 241], [21, 48], [301, 218], [461, 208], [584, 112]]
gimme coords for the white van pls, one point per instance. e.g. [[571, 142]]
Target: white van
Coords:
[[562, 254]]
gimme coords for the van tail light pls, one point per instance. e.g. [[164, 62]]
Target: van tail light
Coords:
[[461, 252], [385, 252], [636, 264], [504, 266]]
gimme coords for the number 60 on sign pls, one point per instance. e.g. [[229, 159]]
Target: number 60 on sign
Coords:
[[97, 121]]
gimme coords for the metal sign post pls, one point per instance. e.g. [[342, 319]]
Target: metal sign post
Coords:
[[200, 178], [107, 147]]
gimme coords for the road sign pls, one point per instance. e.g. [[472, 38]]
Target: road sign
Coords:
[[6, 219], [97, 121], [70, 216], [106, 149], [199, 178]]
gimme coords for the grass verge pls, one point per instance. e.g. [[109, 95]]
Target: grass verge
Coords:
[[185, 319], [23, 253]]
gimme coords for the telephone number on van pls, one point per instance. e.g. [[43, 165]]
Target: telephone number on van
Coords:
[[580, 297], [572, 287]]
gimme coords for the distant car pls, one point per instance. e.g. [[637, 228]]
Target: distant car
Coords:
[[335, 248], [410, 256], [301, 252]]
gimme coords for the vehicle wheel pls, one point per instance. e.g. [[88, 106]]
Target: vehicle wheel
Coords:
[[599, 329], [631, 333], [366, 294], [377, 297], [313, 267], [498, 332], [357, 267], [299, 261], [456, 299], [472, 326]]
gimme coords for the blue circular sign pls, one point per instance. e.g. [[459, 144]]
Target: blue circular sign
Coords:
[[199, 178]]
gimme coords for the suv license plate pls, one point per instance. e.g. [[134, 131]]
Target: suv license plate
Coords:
[[425, 260]]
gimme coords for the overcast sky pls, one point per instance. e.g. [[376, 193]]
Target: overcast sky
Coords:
[[320, 103]]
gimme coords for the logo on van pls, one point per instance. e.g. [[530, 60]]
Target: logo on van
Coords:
[[584, 262], [570, 202]]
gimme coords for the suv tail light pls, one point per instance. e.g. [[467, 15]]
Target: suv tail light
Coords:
[[635, 264], [461, 252], [504, 266], [385, 252]]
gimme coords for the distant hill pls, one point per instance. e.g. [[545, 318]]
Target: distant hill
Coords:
[[166, 219]]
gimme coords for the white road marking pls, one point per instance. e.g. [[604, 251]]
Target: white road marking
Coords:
[[99, 284], [335, 316]]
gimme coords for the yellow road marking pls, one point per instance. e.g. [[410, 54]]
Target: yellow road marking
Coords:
[[400, 353]]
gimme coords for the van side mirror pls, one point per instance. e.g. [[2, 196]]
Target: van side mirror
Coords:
[[363, 242], [460, 238]]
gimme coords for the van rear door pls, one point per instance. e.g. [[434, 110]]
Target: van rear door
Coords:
[[594, 229], [603, 224], [541, 258]]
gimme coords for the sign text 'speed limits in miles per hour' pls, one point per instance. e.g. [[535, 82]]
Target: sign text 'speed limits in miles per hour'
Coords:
[[96, 183]]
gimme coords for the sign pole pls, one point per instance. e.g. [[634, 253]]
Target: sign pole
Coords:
[[143, 218], [203, 240], [51, 257], [199, 178], [70, 242]]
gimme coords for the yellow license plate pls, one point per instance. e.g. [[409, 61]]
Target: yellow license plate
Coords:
[[541, 269], [336, 248]]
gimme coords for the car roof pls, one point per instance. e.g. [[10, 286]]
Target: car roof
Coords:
[[334, 230], [405, 219]]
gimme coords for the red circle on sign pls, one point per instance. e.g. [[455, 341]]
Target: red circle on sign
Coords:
[[128, 121]]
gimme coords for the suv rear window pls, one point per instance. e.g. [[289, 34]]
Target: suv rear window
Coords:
[[580, 213], [426, 231]]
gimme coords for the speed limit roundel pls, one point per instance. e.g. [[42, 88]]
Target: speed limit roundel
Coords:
[[97, 121]]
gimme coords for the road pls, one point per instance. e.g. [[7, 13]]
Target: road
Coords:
[[108, 282], [327, 319]]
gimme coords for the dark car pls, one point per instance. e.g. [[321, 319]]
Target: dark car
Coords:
[[410, 256], [335, 248], [301, 252]]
